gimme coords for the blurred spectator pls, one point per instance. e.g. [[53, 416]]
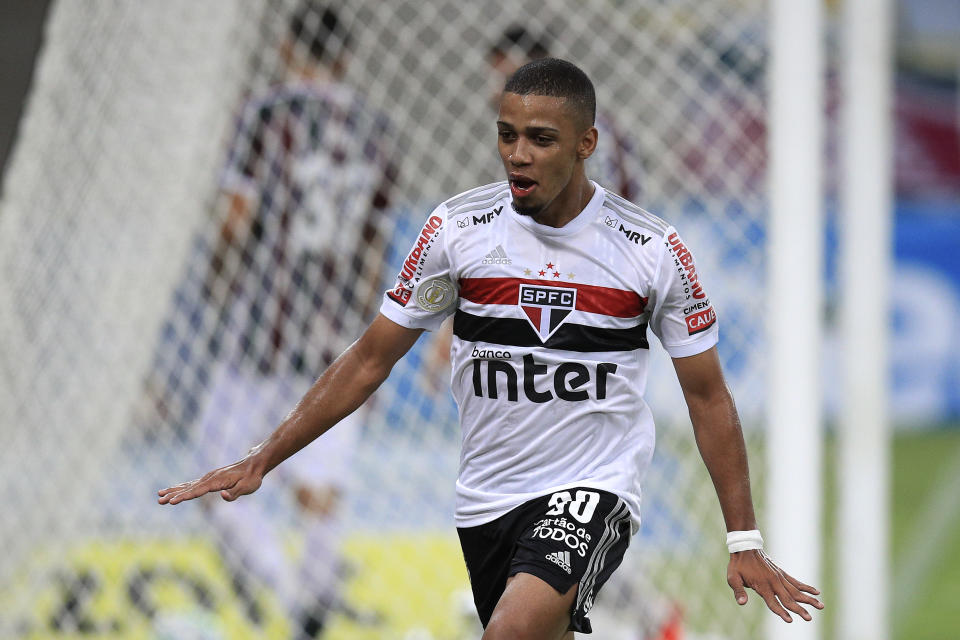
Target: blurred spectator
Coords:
[[294, 271], [927, 144]]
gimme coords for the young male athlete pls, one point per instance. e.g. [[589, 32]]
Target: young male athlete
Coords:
[[552, 282]]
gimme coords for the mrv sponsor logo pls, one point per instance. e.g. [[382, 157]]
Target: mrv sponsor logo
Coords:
[[546, 307], [570, 381], [487, 217], [635, 236]]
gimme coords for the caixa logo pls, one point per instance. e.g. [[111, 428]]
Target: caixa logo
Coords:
[[570, 381]]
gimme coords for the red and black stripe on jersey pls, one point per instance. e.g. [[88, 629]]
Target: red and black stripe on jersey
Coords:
[[569, 336]]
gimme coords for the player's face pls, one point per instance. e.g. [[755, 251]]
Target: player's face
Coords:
[[542, 149]]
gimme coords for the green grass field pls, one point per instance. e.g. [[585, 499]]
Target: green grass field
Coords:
[[925, 559]]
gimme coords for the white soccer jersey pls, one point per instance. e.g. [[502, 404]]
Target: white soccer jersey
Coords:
[[550, 351]]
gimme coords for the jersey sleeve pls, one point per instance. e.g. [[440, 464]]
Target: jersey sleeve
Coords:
[[683, 317], [425, 291]]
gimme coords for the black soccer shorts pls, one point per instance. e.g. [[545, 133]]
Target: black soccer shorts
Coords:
[[576, 536]]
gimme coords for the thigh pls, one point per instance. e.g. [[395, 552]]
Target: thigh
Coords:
[[531, 609], [487, 552], [571, 541], [578, 540]]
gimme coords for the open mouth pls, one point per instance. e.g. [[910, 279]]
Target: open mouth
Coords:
[[521, 186]]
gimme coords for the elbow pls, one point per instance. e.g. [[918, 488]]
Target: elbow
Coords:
[[712, 402], [371, 371]]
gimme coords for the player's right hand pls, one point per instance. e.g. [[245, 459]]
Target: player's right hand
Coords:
[[232, 481]]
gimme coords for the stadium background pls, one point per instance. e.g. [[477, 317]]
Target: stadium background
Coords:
[[90, 555]]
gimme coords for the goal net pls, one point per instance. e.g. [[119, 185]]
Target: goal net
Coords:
[[203, 207]]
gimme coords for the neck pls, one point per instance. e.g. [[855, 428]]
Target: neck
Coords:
[[568, 204]]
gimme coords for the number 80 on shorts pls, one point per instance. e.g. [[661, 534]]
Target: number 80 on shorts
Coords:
[[580, 508]]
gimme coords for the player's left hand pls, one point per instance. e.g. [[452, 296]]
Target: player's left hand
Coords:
[[777, 588]]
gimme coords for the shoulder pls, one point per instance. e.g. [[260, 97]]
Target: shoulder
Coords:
[[476, 199], [627, 212], [633, 225], [269, 104]]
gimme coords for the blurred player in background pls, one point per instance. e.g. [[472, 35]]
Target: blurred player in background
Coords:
[[552, 282], [295, 269]]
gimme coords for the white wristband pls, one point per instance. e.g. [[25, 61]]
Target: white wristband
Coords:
[[744, 540]]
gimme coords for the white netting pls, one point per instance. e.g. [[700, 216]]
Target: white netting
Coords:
[[204, 204]]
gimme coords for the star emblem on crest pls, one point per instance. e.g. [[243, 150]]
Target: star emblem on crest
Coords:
[[550, 270], [547, 307]]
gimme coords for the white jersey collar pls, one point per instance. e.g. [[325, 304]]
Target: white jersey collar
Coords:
[[583, 218]]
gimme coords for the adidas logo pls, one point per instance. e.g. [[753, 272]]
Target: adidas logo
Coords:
[[497, 256], [561, 559]]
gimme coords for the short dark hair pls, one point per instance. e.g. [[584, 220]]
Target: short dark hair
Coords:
[[318, 28], [519, 38], [559, 79]]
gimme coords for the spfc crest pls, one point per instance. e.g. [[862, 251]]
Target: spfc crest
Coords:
[[546, 307]]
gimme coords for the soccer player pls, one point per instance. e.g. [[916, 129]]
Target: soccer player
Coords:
[[552, 282]]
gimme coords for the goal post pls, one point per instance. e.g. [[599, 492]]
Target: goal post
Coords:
[[863, 511], [795, 292], [203, 204]]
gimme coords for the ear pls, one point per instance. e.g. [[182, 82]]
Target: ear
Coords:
[[587, 143]]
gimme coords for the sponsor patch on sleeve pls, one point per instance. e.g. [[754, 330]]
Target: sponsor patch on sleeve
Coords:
[[698, 313], [683, 260], [435, 294], [701, 321], [401, 295], [413, 266]]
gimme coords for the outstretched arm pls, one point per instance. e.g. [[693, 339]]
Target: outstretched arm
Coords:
[[716, 428], [342, 388]]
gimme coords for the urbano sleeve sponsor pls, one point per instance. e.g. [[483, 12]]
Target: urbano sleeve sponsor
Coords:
[[683, 318], [424, 292]]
